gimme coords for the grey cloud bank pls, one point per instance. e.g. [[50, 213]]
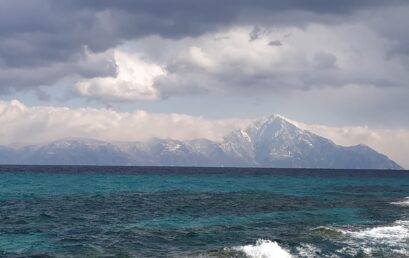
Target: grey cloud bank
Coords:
[[41, 34]]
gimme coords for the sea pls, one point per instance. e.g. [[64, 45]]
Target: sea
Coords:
[[87, 211]]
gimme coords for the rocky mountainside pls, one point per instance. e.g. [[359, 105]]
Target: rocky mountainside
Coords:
[[269, 142]]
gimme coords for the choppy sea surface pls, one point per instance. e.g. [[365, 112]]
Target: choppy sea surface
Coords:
[[57, 211]]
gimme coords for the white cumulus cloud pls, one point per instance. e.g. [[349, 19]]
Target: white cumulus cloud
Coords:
[[134, 80]]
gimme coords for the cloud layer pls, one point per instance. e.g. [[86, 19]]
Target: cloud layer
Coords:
[[251, 60], [277, 44], [23, 125]]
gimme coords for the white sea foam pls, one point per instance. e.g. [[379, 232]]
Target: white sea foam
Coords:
[[394, 233], [308, 251], [264, 249], [404, 202], [394, 236]]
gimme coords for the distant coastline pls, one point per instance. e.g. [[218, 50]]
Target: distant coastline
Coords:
[[269, 142]]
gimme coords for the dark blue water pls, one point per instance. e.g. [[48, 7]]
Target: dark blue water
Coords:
[[202, 212]]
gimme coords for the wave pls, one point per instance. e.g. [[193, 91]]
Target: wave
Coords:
[[381, 241], [394, 238], [404, 202], [270, 249], [394, 233], [309, 251], [326, 232], [264, 249]]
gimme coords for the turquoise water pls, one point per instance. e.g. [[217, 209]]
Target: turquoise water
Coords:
[[202, 212]]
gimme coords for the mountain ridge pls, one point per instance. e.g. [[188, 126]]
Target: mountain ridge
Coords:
[[269, 142]]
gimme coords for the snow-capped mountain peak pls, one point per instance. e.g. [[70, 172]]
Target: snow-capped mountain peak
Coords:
[[273, 141]]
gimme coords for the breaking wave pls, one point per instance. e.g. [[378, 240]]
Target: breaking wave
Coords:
[[404, 202], [309, 251], [264, 249], [394, 238], [390, 240]]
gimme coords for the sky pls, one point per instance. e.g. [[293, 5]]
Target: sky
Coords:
[[183, 69]]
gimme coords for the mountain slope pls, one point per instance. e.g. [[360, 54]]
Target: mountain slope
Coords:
[[72, 152], [269, 142], [275, 142]]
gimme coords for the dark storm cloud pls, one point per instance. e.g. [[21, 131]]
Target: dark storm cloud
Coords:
[[206, 7], [275, 43], [42, 40], [38, 32]]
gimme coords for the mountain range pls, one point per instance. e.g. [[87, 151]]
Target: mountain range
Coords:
[[269, 142]]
